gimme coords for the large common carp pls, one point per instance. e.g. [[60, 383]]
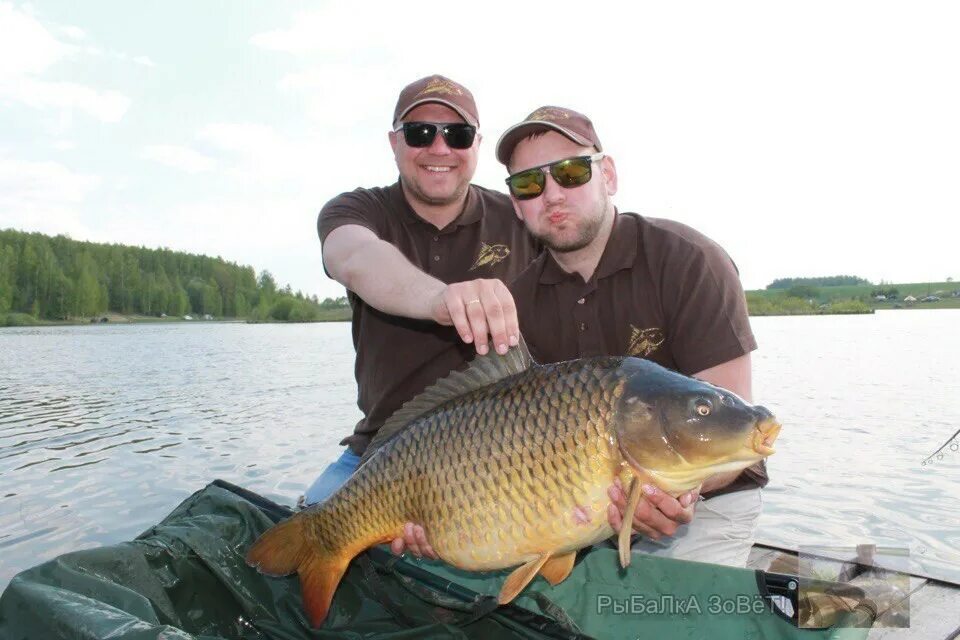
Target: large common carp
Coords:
[[508, 463]]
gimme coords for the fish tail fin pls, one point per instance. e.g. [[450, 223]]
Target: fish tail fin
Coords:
[[285, 548], [280, 550], [319, 578]]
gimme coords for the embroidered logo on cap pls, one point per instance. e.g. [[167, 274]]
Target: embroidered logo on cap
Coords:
[[549, 114], [490, 255], [438, 85], [643, 342]]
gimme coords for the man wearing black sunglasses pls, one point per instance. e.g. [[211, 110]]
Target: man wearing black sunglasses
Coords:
[[424, 262], [615, 283]]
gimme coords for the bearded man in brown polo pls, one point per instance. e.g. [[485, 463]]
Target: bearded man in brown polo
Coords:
[[613, 283], [424, 262]]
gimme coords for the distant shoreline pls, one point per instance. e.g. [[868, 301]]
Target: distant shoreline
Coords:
[[843, 299], [344, 315], [114, 319]]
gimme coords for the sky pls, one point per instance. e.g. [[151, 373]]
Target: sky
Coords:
[[808, 139]]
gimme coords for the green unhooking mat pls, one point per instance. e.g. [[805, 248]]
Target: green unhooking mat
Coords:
[[185, 578]]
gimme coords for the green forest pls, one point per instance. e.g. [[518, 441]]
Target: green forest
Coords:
[[60, 279], [828, 281], [849, 294]]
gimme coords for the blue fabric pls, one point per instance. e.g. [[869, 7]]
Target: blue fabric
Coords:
[[332, 477]]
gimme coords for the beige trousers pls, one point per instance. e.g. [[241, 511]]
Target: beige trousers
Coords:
[[722, 531]]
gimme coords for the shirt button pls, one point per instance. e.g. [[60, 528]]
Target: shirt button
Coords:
[[436, 258], [436, 238], [581, 300], [583, 326]]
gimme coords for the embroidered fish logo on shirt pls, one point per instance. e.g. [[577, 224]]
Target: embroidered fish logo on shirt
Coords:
[[490, 255], [643, 342]]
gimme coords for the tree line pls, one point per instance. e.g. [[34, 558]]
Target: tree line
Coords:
[[58, 278], [826, 281]]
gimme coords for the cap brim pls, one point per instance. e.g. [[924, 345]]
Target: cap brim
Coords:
[[463, 114], [518, 132]]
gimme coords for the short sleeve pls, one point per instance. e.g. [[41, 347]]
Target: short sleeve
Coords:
[[359, 207], [706, 309]]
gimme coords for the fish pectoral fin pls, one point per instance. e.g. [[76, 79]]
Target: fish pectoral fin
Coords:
[[520, 578], [318, 582], [626, 527], [557, 568]]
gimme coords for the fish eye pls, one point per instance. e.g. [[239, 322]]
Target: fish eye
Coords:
[[702, 407]]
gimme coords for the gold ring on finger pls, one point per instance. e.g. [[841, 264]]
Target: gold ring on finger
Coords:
[[472, 301]]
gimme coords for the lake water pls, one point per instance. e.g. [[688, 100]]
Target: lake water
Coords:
[[105, 429]]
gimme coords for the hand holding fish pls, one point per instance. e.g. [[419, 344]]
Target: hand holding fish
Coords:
[[478, 308], [414, 540], [656, 516]]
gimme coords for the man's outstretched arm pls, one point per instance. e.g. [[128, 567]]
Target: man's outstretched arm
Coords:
[[383, 277]]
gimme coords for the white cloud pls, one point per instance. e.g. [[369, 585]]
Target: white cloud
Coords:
[[44, 196], [74, 33], [178, 157], [106, 106], [242, 137], [25, 45], [320, 30], [144, 60], [340, 95], [29, 49]]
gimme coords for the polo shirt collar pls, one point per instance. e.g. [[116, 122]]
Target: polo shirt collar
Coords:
[[620, 253], [471, 209]]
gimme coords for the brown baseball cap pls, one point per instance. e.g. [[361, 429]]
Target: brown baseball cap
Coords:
[[570, 123], [438, 89]]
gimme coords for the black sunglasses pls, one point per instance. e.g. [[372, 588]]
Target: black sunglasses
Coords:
[[568, 173], [457, 135]]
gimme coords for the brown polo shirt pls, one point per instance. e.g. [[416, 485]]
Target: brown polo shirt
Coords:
[[397, 358], [661, 291]]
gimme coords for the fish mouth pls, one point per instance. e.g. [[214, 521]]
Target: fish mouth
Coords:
[[763, 437]]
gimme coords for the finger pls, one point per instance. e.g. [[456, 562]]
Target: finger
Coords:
[[649, 517], [397, 546], [667, 504], [648, 514], [510, 321], [493, 311], [614, 517], [422, 543], [410, 539], [617, 496], [478, 324], [458, 315], [647, 531]]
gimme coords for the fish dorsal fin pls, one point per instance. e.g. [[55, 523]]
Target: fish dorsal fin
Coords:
[[483, 371]]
